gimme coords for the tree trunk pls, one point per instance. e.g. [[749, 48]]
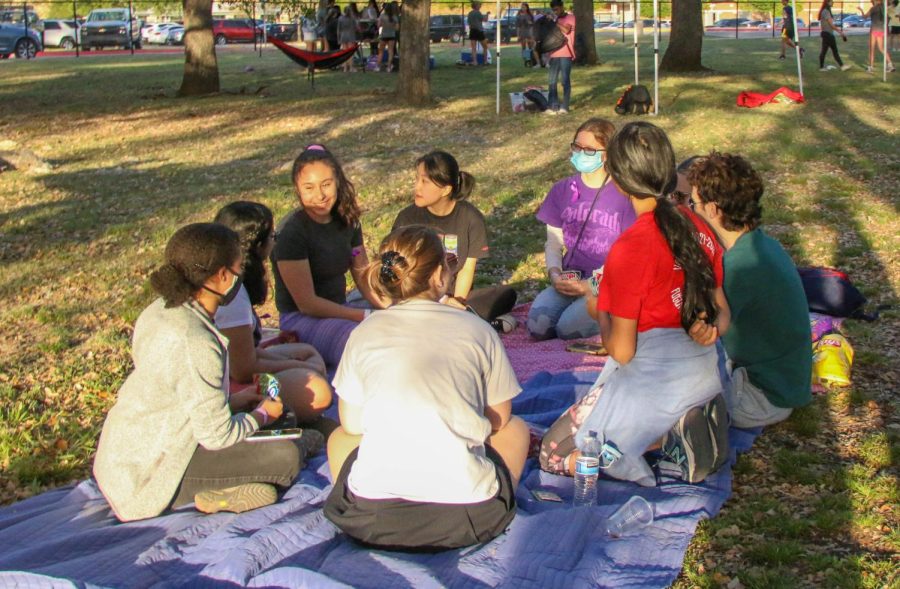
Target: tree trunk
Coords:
[[585, 45], [201, 70], [414, 86], [686, 39]]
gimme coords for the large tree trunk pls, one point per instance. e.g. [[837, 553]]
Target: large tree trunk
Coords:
[[585, 45], [201, 70], [686, 39], [414, 86]]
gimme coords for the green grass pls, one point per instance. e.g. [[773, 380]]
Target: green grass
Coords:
[[815, 501]]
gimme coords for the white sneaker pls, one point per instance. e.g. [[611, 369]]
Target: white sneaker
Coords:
[[845, 67], [563, 111], [823, 69], [869, 69], [550, 112]]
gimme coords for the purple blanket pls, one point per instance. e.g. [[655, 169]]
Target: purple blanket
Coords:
[[69, 537]]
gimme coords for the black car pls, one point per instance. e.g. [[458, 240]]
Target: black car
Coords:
[[447, 26], [507, 28], [282, 31]]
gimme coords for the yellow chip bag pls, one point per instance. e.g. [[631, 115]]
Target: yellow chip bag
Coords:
[[832, 360]]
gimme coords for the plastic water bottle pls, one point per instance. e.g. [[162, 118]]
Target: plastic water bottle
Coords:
[[587, 467]]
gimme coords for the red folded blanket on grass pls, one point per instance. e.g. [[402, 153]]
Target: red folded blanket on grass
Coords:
[[754, 99]]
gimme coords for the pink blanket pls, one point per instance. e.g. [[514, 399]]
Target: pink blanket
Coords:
[[528, 357]]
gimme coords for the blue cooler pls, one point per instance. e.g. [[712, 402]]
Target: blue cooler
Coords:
[[466, 57]]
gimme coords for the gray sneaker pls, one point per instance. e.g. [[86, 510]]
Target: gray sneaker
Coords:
[[698, 443], [236, 499]]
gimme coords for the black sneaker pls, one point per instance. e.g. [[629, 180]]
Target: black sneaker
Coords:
[[781, 57], [697, 445]]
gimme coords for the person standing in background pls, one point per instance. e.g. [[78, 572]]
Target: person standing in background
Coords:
[[561, 60]]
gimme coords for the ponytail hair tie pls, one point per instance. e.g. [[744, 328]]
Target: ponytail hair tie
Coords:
[[388, 260]]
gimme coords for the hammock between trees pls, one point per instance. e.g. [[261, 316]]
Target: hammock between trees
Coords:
[[313, 60]]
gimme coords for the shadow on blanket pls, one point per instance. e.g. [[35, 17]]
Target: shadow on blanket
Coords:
[[69, 536]]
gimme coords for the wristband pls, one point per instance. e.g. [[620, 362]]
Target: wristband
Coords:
[[262, 414]]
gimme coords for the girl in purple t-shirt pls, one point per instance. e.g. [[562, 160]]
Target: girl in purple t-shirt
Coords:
[[584, 214]]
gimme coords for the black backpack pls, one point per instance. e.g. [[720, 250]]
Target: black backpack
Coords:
[[635, 101], [537, 97], [548, 36]]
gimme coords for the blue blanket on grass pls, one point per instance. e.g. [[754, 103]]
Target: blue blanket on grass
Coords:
[[69, 537]]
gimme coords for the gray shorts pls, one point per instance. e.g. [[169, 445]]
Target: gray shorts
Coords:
[[749, 405]]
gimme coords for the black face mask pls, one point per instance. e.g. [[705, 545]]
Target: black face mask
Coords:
[[228, 295]]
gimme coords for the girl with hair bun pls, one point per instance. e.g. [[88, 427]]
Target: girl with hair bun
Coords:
[[317, 244], [439, 202], [174, 436], [299, 368], [425, 403], [663, 277]]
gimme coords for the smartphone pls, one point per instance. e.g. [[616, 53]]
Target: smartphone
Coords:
[[587, 348], [542, 495], [570, 275], [291, 433]]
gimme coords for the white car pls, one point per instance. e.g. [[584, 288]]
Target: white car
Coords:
[[148, 31], [174, 35], [61, 33], [160, 33]]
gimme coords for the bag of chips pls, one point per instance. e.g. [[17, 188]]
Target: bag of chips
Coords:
[[832, 361]]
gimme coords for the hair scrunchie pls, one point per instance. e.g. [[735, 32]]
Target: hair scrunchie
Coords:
[[388, 260]]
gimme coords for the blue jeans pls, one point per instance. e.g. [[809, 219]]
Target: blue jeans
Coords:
[[560, 67], [557, 315]]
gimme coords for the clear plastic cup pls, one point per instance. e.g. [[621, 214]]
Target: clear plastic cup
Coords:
[[637, 513]]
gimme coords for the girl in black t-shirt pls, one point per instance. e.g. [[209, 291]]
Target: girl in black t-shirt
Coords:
[[439, 202], [317, 244]]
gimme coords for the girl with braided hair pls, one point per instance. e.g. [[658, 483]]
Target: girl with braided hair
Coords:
[[426, 430], [174, 435], [662, 277]]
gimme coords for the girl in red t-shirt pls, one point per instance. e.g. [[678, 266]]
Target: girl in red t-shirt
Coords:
[[662, 277]]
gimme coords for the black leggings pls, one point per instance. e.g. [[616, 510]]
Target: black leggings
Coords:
[[492, 301], [829, 42], [277, 462]]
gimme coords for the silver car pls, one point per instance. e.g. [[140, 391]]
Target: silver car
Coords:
[[61, 33], [16, 39]]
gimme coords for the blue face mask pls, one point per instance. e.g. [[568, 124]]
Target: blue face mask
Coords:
[[586, 163]]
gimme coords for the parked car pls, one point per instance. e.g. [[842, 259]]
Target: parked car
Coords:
[[149, 30], [171, 35], [507, 29], [111, 27], [16, 16], [647, 23], [800, 23], [852, 21], [730, 23], [447, 26], [601, 24], [16, 40], [282, 31], [160, 34], [234, 30], [61, 33], [760, 24], [615, 25]]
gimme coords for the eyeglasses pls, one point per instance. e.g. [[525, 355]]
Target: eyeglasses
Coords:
[[585, 150]]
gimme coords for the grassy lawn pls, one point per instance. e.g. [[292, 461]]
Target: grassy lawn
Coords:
[[815, 502]]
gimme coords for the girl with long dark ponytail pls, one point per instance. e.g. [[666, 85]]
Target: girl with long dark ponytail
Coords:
[[662, 277], [298, 366]]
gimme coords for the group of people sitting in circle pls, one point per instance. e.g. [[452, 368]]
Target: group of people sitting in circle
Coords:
[[428, 454]]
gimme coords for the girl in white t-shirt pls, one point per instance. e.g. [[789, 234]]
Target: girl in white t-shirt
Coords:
[[299, 368], [428, 455]]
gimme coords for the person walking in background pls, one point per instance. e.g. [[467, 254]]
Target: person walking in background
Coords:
[[828, 41], [369, 25], [346, 26], [876, 35], [475, 20], [561, 60], [389, 26], [788, 33], [525, 33], [894, 22]]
